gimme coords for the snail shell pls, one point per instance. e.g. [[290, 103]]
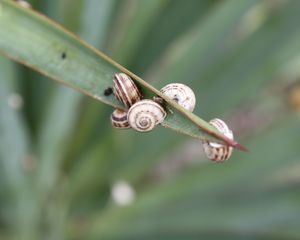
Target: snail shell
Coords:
[[215, 151], [119, 119], [182, 94], [144, 115], [125, 90]]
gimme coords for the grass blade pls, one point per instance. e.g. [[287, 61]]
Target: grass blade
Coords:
[[15, 147], [62, 56]]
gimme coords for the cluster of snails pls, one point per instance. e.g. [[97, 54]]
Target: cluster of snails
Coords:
[[144, 114], [141, 115]]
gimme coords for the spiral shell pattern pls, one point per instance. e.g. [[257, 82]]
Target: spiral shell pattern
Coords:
[[215, 151], [125, 89], [119, 119], [182, 94], [144, 115]]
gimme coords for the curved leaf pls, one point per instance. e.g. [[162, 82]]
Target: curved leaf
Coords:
[[60, 55]]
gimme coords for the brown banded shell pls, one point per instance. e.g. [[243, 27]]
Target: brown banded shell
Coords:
[[144, 115], [215, 151], [119, 119], [125, 90], [182, 94]]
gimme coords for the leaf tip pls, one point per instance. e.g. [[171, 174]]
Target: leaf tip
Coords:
[[235, 144], [240, 147]]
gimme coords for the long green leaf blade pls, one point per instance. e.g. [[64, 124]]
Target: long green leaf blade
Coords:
[[15, 144], [60, 55]]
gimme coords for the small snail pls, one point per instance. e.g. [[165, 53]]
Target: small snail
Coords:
[[125, 89], [215, 151], [144, 115], [181, 94], [119, 119]]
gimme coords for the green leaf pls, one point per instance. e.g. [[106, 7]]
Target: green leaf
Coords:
[[238, 195], [60, 55], [55, 133], [134, 31], [15, 155]]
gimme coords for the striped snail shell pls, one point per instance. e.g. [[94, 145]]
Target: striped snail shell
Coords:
[[119, 119], [181, 94], [125, 90], [215, 151], [144, 115]]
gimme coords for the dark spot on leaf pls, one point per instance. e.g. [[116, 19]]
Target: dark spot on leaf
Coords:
[[63, 55], [108, 91]]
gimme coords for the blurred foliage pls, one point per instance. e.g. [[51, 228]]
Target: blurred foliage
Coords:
[[61, 160]]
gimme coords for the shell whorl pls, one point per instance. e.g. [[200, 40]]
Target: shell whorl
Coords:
[[144, 115], [215, 151], [125, 89], [182, 94], [119, 119], [217, 154]]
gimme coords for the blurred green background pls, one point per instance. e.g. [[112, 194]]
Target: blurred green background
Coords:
[[66, 174]]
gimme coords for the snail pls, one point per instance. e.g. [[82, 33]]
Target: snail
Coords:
[[125, 90], [215, 151], [181, 94], [144, 115], [119, 119]]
